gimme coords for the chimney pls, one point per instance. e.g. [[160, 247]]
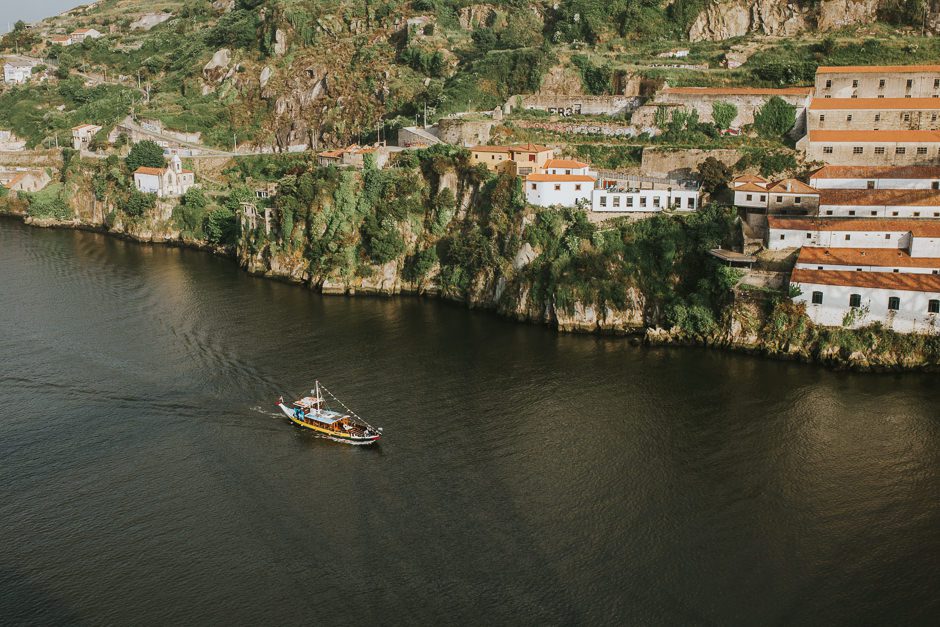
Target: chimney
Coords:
[[789, 184]]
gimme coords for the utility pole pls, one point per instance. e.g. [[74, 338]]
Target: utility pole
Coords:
[[425, 114]]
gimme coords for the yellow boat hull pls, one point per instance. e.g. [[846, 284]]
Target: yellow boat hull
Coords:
[[337, 435]]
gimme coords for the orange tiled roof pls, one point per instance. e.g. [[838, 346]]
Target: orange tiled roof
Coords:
[[904, 282], [565, 163], [875, 136], [737, 91], [153, 171], [16, 179], [830, 104], [796, 187], [750, 187], [528, 148], [749, 178], [549, 178], [880, 197], [885, 257], [877, 172], [875, 69], [490, 149], [920, 227]]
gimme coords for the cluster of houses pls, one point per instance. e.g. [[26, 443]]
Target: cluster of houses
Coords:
[[77, 36], [550, 182]]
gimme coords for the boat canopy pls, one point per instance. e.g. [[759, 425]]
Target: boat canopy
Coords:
[[326, 416]]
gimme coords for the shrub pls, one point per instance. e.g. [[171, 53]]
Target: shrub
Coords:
[[220, 226], [715, 174], [138, 203], [381, 239], [775, 118], [723, 114]]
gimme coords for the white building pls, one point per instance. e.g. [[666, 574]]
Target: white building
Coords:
[[565, 190], [164, 182], [876, 177], [921, 238], [750, 190], [898, 148], [17, 72], [62, 40], [83, 134], [905, 302], [644, 200], [879, 203], [81, 34], [568, 167]]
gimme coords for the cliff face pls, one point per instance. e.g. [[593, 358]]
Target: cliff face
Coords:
[[724, 19]]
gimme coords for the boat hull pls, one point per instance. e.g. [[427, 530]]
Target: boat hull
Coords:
[[335, 435]]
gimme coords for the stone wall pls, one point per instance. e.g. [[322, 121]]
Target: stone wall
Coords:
[[461, 132], [575, 105], [677, 163], [747, 105], [870, 119]]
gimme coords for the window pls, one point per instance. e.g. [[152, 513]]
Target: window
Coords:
[[819, 267], [798, 199], [534, 186], [567, 171], [894, 213], [822, 117], [848, 118], [910, 83], [809, 236], [629, 201], [922, 150], [781, 236], [763, 198], [655, 201], [851, 212], [895, 270], [531, 157], [877, 117], [779, 198], [936, 83], [855, 300], [828, 84], [616, 201], [854, 83], [829, 212], [848, 236], [870, 185], [917, 214], [642, 201], [874, 213], [817, 298], [887, 235], [879, 150], [857, 150], [603, 201], [577, 187], [557, 187], [748, 197], [894, 303], [900, 150], [907, 117], [881, 84], [933, 117], [827, 150], [933, 306], [935, 185]]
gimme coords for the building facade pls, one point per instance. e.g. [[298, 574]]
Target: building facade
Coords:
[[879, 203], [17, 72], [83, 134], [862, 148], [921, 238], [886, 114], [878, 81], [563, 190], [644, 200], [876, 177], [166, 182]]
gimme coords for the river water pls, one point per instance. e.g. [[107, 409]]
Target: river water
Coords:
[[526, 476]]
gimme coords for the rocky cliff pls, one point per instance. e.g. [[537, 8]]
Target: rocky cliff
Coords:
[[724, 19]]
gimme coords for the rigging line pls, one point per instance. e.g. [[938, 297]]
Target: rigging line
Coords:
[[324, 388]]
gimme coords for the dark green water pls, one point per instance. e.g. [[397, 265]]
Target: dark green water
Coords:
[[526, 477]]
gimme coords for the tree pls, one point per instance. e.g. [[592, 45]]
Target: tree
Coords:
[[220, 226], [714, 174], [145, 154], [138, 202], [723, 114], [775, 118], [195, 198]]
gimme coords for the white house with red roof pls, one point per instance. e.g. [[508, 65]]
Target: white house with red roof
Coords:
[[81, 34], [166, 182], [563, 190]]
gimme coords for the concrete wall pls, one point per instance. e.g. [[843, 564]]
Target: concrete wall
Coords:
[[574, 104], [878, 211], [911, 316], [923, 85], [666, 163], [462, 132], [702, 103], [791, 238]]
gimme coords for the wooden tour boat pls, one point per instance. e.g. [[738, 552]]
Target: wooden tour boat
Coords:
[[312, 413]]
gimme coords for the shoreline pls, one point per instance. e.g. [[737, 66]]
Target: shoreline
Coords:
[[652, 337]]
